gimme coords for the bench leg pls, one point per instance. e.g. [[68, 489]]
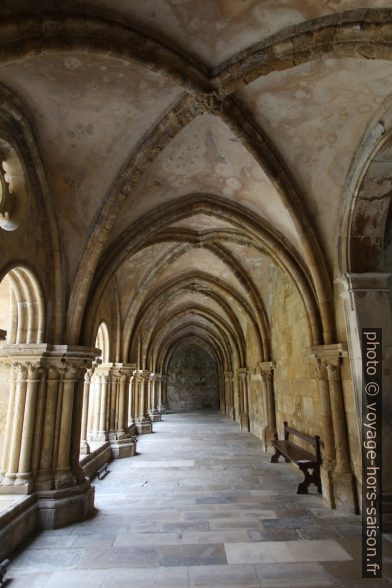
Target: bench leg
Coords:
[[276, 456], [314, 478]]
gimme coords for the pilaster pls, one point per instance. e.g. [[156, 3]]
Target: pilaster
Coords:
[[243, 375], [269, 431]]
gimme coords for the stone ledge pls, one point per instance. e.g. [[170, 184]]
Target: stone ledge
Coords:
[[18, 522], [93, 461]]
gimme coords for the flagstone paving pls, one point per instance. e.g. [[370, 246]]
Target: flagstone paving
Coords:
[[200, 506]]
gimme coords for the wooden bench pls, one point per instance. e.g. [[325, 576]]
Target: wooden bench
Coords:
[[103, 471], [305, 460]]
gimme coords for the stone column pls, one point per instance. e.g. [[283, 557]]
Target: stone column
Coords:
[[337, 477], [103, 405], [269, 430], [162, 394], [13, 373], [158, 392], [153, 411], [84, 446], [367, 305], [15, 432], [244, 402], [43, 428], [143, 422], [229, 394], [25, 466]]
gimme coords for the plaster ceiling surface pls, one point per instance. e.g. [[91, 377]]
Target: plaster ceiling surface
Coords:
[[201, 222], [201, 259], [316, 115], [260, 268], [131, 274], [205, 157], [167, 305], [89, 112], [187, 298], [210, 31]]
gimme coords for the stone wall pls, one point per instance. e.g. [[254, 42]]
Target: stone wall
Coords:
[[256, 406], [296, 386], [192, 380]]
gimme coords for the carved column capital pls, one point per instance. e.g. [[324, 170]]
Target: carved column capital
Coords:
[[242, 372], [267, 369], [88, 375], [144, 374]]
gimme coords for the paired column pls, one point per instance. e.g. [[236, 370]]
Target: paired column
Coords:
[[153, 410], [143, 421], [43, 429], [243, 398], [162, 394], [229, 394], [109, 412], [269, 430], [84, 445], [16, 466], [122, 439]]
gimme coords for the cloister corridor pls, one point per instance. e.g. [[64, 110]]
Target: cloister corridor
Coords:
[[200, 505]]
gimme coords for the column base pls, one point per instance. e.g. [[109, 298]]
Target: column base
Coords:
[[267, 436], [144, 427], [125, 447], [64, 478], [162, 409], [98, 437], [327, 487], [244, 422], [84, 448], [131, 431], [345, 492], [155, 416], [63, 507]]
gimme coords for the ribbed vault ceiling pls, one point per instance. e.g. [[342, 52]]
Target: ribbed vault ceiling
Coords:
[[193, 149]]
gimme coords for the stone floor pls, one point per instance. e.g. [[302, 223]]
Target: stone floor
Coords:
[[200, 506]]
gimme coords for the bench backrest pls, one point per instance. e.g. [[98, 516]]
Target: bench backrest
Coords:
[[314, 441]]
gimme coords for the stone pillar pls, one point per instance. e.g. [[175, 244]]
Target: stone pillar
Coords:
[[43, 429], [121, 437], [143, 422], [229, 399], [20, 424], [336, 474], [269, 430], [84, 446], [222, 394], [367, 305], [131, 402], [244, 402], [153, 411]]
